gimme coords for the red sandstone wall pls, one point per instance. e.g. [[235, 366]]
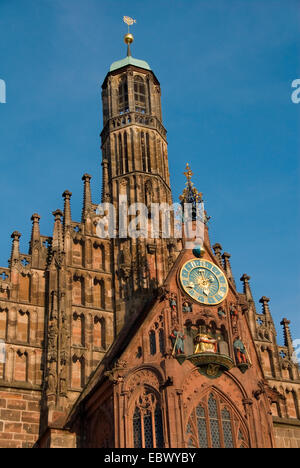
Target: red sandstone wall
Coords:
[[19, 418], [287, 436]]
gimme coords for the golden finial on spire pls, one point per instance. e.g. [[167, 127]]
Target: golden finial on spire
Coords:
[[190, 193], [128, 38], [189, 173]]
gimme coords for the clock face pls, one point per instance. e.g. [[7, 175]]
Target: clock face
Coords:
[[204, 282]]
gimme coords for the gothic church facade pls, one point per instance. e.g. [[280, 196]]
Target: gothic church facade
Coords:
[[108, 345]]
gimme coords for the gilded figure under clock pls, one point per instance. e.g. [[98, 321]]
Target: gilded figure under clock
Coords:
[[205, 342]]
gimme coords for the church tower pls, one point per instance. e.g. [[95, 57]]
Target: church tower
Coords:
[[135, 171]]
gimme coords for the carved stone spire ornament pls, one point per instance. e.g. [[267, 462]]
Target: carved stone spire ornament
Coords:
[[87, 196], [218, 253], [288, 342], [227, 267], [15, 251], [67, 208], [35, 233]]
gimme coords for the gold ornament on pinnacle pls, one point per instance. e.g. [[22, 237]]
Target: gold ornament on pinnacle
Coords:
[[198, 196], [128, 38], [189, 173]]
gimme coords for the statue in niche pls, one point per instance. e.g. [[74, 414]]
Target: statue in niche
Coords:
[[205, 342], [52, 380], [221, 313], [234, 315], [173, 302], [187, 308], [177, 338], [240, 351], [63, 381], [173, 305]]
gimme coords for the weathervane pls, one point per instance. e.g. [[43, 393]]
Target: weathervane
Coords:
[[128, 38], [129, 21]]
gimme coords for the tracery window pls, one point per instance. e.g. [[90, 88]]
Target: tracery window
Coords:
[[214, 424], [147, 422], [139, 95], [152, 338], [123, 96], [161, 338]]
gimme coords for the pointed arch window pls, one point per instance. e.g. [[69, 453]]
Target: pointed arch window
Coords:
[[148, 152], [227, 429], [137, 428], [139, 95], [123, 96], [147, 422], [158, 427], [161, 338], [126, 152], [144, 159], [214, 424], [201, 426], [152, 338]]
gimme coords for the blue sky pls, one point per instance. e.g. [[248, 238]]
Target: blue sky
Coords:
[[225, 67]]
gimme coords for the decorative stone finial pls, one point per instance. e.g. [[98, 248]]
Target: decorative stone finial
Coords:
[[87, 196], [86, 177], [218, 249], [57, 215], [265, 304], [15, 251], [16, 235], [288, 342], [67, 195], [35, 233], [247, 290], [67, 208], [35, 218], [57, 235], [227, 267]]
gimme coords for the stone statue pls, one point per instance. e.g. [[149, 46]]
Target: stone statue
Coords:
[[234, 315], [52, 380], [63, 381], [221, 313], [177, 338], [240, 351], [173, 302], [186, 308]]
